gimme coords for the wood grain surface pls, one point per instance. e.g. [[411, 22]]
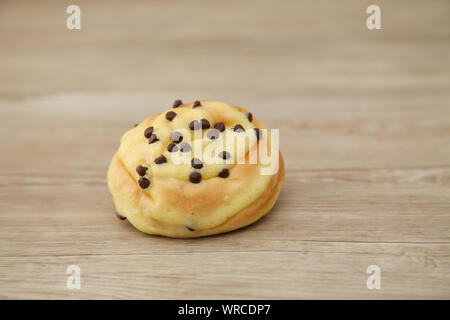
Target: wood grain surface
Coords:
[[364, 120]]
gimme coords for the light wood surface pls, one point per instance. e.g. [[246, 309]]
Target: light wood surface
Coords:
[[365, 132]]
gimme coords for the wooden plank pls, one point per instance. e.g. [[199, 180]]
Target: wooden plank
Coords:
[[306, 270], [364, 121]]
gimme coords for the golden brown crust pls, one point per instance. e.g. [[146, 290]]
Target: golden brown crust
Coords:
[[125, 184]]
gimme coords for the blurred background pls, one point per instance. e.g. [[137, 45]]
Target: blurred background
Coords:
[[256, 48], [364, 119]]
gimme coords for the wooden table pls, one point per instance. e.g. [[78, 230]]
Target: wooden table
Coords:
[[365, 131]]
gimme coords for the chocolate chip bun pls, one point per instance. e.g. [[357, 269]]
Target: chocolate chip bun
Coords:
[[183, 173]]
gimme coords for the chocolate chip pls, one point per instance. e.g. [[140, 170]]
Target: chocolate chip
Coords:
[[160, 159], [153, 139], [148, 132], [224, 173], [196, 104], [141, 170], [185, 147], [172, 147], [176, 137], [238, 128], [190, 229], [205, 124], [119, 216], [258, 133], [170, 115], [177, 103], [225, 155], [195, 177], [213, 134], [249, 116], [195, 125], [196, 163], [144, 183], [135, 125], [220, 126]]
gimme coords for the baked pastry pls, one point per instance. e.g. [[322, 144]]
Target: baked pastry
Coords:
[[181, 173]]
